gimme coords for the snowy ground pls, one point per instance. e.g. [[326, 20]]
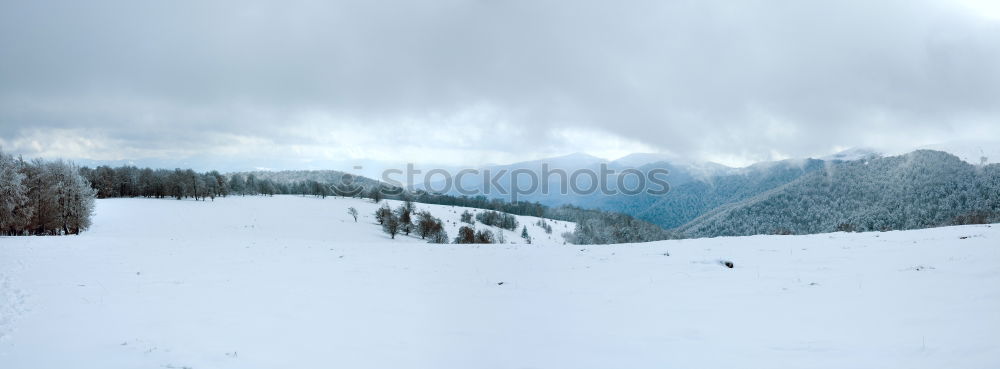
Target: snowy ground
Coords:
[[290, 282]]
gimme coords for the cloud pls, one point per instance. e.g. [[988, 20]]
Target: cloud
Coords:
[[467, 82]]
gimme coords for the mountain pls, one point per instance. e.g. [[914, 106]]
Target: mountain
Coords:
[[640, 159], [971, 151], [857, 153], [694, 188], [562, 187], [855, 189], [689, 199], [321, 176], [921, 189]]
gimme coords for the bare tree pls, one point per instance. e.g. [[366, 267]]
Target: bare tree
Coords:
[[438, 234], [426, 223], [405, 221], [467, 217], [390, 225], [466, 235], [381, 213]]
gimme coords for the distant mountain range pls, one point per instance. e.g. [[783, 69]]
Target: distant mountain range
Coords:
[[858, 190]]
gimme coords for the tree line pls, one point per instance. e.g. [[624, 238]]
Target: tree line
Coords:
[[131, 181], [592, 226]]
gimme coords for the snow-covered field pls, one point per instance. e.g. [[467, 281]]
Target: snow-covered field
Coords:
[[290, 282]]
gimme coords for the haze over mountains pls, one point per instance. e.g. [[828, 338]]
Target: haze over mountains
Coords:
[[862, 190], [633, 199], [857, 190]]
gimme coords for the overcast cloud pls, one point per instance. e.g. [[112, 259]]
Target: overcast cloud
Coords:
[[469, 82]]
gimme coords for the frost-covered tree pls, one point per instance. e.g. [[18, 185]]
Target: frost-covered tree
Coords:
[[15, 209], [917, 190], [438, 234], [381, 213], [318, 189], [466, 217], [425, 224], [497, 219], [545, 226], [430, 228], [376, 194], [77, 202], [353, 212], [485, 236], [43, 198], [524, 235], [407, 202], [218, 184], [238, 184], [267, 187], [251, 184]]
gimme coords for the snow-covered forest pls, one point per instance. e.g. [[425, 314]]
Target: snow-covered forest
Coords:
[[40, 197], [917, 190]]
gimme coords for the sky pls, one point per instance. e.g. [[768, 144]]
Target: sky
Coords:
[[312, 84]]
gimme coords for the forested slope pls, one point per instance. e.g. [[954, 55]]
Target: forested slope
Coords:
[[917, 190], [694, 198]]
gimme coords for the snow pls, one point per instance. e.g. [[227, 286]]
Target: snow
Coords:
[[292, 282]]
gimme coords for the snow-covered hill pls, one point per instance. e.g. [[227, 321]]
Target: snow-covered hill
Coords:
[[972, 151], [291, 282]]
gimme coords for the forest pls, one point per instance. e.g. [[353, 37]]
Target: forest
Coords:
[[918, 190], [39, 197]]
